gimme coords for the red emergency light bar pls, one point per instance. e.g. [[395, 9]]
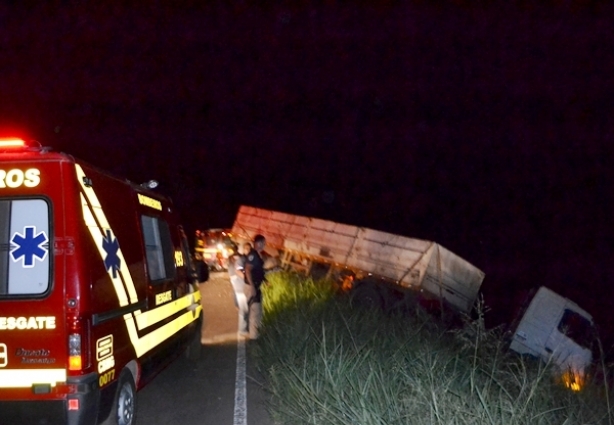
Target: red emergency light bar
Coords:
[[12, 142], [17, 144]]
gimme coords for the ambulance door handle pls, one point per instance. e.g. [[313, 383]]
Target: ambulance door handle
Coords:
[[64, 245]]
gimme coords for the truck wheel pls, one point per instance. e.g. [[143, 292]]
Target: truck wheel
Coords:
[[367, 295], [124, 405]]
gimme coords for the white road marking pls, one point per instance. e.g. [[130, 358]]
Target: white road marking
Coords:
[[240, 414]]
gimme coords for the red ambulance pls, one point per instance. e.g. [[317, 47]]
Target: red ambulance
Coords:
[[97, 291]]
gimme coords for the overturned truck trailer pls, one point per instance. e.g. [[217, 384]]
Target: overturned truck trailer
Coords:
[[399, 264]]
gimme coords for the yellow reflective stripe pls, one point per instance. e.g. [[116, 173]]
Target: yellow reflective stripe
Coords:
[[191, 302], [158, 314], [94, 205], [25, 378], [97, 236], [152, 339]]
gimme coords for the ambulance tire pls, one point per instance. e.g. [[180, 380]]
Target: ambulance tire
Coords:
[[124, 404]]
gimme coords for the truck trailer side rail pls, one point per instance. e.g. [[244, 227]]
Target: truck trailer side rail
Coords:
[[408, 262]]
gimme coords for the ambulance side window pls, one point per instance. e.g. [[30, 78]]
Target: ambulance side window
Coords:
[[24, 247], [159, 249]]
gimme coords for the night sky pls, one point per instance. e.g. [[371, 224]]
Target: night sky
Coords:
[[488, 129]]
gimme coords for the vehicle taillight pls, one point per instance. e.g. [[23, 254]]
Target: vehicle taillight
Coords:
[[74, 352], [76, 348]]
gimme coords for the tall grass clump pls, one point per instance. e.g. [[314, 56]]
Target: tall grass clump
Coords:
[[326, 362], [286, 290]]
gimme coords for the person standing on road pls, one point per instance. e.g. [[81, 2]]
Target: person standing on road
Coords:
[[254, 278], [202, 269], [236, 272]]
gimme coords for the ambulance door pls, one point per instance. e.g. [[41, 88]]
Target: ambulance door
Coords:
[[33, 345]]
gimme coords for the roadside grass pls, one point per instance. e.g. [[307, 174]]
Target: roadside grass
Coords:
[[326, 362]]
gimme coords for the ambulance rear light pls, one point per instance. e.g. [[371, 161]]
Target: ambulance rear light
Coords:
[[74, 352]]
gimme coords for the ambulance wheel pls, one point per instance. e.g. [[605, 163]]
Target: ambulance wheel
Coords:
[[124, 405]]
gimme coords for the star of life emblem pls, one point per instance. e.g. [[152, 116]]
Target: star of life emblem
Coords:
[[29, 246]]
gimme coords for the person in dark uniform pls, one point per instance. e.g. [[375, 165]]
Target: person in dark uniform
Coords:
[[202, 269], [254, 278]]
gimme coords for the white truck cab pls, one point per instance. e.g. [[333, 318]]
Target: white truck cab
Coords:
[[555, 329]]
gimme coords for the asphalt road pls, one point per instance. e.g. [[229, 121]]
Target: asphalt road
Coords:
[[222, 387]]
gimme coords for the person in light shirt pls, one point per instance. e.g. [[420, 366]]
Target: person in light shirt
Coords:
[[236, 272]]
